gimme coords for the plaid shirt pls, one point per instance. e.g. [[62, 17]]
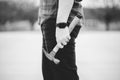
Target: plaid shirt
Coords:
[[48, 8]]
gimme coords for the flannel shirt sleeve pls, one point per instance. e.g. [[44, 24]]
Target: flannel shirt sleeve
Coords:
[[77, 10]]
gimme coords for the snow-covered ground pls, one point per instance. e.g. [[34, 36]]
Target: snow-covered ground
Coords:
[[98, 55]]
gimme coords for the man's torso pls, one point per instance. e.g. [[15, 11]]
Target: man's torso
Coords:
[[48, 8]]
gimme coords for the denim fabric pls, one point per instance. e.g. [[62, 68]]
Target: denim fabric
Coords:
[[66, 69]]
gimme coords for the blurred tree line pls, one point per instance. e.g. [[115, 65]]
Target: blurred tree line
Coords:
[[11, 11], [106, 15]]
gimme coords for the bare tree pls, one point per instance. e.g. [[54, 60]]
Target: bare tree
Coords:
[[110, 7], [10, 11]]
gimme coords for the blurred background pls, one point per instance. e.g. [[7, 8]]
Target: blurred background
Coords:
[[97, 45], [19, 15]]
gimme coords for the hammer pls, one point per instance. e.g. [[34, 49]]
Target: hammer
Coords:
[[51, 55]]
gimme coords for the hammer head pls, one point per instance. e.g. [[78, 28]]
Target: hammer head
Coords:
[[51, 56], [56, 61]]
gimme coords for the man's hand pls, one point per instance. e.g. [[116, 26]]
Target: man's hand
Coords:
[[62, 36]]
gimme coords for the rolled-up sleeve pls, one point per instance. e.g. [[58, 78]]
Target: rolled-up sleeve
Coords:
[[77, 10]]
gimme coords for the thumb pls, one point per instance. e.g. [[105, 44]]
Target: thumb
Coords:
[[59, 45]]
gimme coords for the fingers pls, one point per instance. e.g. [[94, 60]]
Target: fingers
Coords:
[[69, 37], [59, 45], [63, 42], [62, 36]]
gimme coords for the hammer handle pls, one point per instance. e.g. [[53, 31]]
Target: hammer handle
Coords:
[[71, 27]]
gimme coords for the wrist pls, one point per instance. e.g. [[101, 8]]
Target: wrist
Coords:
[[61, 25]]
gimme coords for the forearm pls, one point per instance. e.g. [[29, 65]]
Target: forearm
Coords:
[[64, 9]]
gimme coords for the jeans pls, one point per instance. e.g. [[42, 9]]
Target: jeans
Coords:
[[66, 69]]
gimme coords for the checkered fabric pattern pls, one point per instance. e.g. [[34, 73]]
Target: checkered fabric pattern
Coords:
[[48, 8]]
